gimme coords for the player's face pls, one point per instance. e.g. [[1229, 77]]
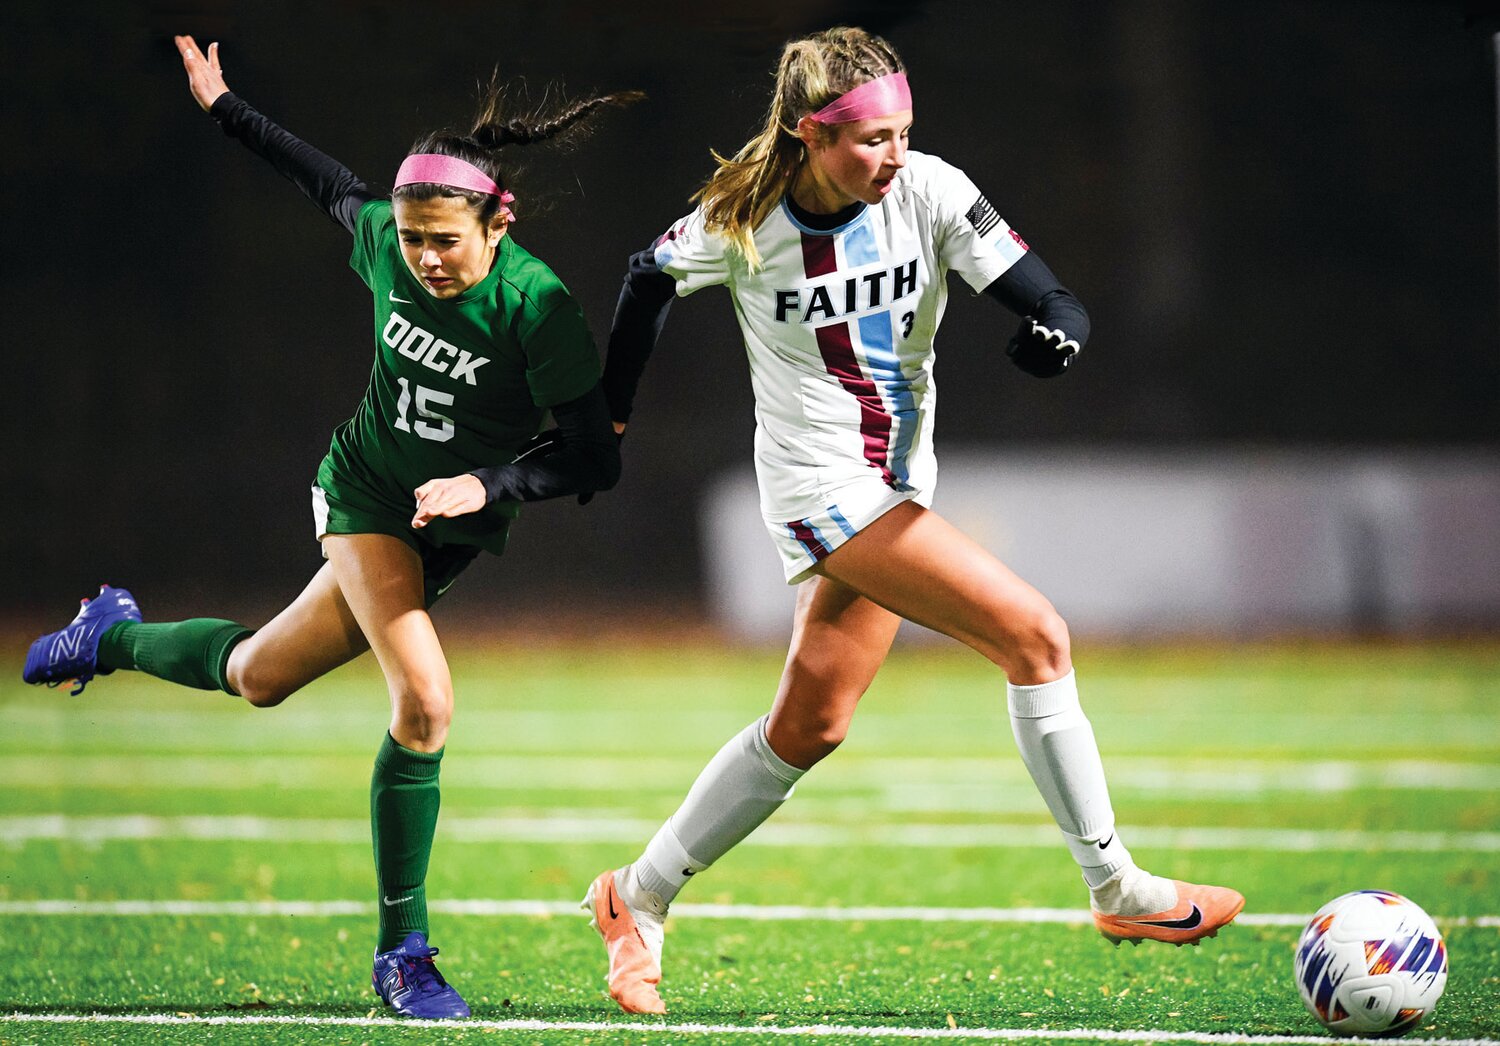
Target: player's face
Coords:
[[859, 160], [445, 246]]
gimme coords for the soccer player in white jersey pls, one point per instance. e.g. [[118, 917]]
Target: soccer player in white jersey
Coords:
[[835, 241]]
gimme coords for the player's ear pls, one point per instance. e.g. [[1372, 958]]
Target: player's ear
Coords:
[[811, 132]]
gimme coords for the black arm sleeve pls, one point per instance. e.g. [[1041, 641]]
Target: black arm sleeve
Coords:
[[325, 181], [1028, 288], [639, 317], [587, 460]]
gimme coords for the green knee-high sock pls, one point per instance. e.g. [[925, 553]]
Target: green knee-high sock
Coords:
[[403, 817], [193, 653]]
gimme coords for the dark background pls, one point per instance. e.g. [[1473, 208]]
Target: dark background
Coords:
[[1282, 217]]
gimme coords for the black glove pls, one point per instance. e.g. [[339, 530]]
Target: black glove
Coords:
[[1044, 352]]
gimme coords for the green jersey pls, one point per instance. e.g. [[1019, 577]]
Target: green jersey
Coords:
[[457, 384]]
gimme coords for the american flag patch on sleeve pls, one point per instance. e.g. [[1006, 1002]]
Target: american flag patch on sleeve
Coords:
[[982, 216]]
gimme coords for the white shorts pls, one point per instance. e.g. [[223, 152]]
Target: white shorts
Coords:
[[803, 543]]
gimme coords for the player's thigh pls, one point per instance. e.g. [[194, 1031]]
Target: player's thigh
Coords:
[[382, 580], [839, 641], [314, 635], [918, 565]]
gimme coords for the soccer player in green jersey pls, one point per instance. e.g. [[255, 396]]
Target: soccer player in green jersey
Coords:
[[475, 340]]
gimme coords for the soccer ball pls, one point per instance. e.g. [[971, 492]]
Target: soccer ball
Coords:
[[1370, 963]]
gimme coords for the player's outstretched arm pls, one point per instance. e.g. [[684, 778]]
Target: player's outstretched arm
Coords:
[[205, 74], [329, 184]]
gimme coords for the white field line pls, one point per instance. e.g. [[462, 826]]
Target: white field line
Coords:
[[644, 1027], [925, 783], [566, 828], [550, 909]]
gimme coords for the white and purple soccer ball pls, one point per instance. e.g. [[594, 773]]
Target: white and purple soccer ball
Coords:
[[1370, 963]]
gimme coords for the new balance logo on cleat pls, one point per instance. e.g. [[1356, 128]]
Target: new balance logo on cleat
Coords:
[[408, 981], [72, 652], [67, 645], [394, 988]]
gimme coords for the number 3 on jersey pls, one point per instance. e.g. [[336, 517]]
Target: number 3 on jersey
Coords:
[[441, 432]]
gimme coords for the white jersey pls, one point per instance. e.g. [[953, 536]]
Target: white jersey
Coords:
[[839, 327]]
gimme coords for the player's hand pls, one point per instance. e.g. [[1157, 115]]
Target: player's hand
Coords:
[[455, 496], [205, 74], [1044, 352]]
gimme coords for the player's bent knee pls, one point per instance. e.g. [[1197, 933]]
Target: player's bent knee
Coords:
[[805, 742], [423, 713], [824, 742], [261, 689], [1038, 647]]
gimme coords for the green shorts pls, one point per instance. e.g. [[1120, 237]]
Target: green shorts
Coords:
[[441, 564]]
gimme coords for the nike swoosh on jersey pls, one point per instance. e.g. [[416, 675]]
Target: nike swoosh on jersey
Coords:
[[1187, 922], [403, 301]]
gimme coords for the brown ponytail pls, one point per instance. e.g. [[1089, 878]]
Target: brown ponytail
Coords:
[[492, 129]]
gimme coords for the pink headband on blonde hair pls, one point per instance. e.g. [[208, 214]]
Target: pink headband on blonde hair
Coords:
[[880, 97], [450, 170]]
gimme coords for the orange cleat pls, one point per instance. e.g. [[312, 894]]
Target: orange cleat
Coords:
[[1201, 911], [634, 972]]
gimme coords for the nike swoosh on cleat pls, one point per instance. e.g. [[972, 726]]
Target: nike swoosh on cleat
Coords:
[[390, 903], [610, 898], [1186, 923]]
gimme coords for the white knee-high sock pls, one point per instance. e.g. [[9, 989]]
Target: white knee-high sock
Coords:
[[1057, 745], [739, 788]]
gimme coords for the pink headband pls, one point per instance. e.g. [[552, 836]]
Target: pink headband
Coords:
[[450, 170], [880, 97]]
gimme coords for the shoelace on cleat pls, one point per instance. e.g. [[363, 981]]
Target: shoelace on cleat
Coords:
[[424, 974]]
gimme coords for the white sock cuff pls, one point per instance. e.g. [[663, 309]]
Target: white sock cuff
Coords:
[[1043, 699], [774, 764], [667, 857], [1099, 862]]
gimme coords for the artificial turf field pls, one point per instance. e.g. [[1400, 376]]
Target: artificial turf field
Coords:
[[177, 867]]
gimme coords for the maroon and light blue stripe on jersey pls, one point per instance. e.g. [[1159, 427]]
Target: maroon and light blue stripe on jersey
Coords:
[[877, 333], [809, 535], [887, 407]]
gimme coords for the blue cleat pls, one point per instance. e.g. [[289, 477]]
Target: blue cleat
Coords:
[[73, 653], [408, 980]]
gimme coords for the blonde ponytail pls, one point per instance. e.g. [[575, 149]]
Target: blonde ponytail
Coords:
[[813, 71]]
